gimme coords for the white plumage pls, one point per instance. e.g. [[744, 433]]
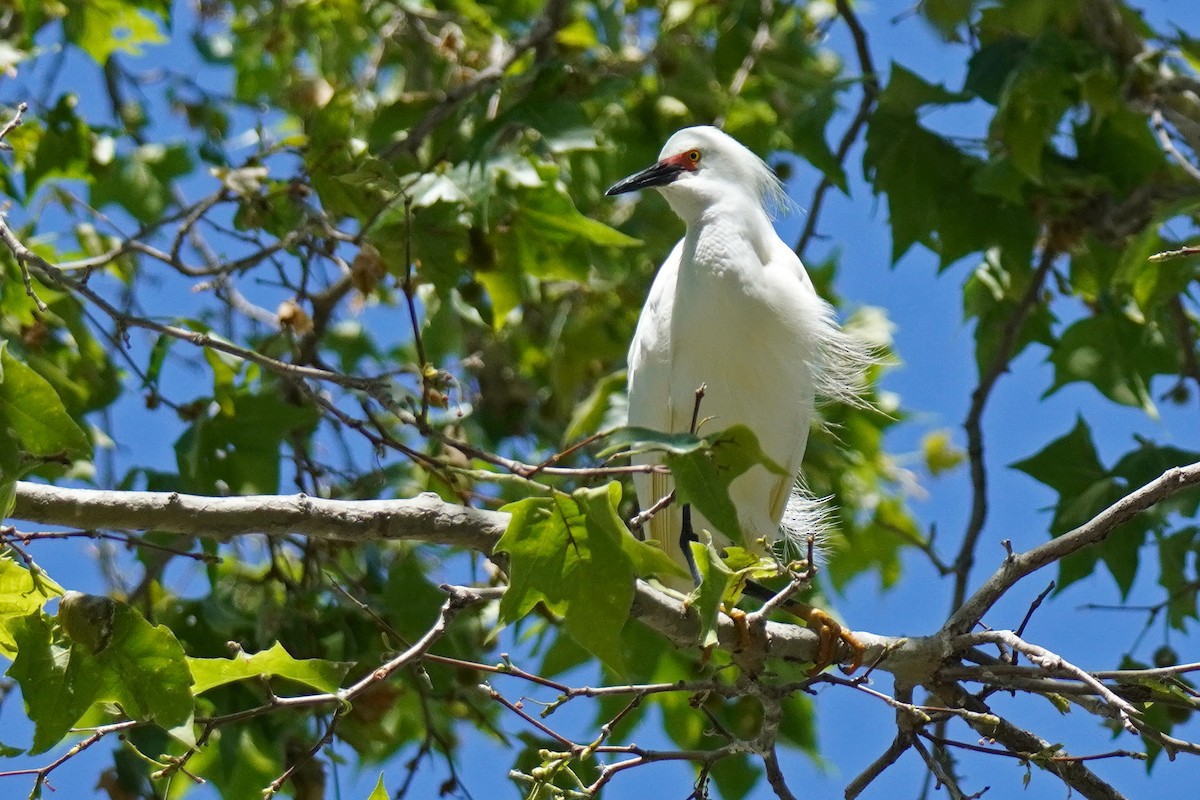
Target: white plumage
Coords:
[[732, 308]]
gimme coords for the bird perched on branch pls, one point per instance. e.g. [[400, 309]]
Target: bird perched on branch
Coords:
[[732, 309]]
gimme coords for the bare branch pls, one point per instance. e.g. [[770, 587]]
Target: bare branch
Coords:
[[1018, 740], [426, 517], [1096, 530], [898, 747], [870, 91], [973, 424]]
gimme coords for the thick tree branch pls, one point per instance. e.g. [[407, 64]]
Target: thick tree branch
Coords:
[[425, 517], [913, 661], [1018, 740]]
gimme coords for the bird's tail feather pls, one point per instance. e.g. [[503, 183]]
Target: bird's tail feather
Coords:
[[807, 518], [840, 362]]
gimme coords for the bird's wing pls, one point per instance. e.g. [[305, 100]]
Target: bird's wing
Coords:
[[808, 312], [650, 402]]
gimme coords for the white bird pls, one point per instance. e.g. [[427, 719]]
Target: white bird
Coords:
[[733, 309]]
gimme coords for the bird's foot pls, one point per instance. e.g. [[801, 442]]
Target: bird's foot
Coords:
[[741, 626], [830, 632]]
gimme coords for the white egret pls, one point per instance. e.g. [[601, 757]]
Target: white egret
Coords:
[[733, 309]]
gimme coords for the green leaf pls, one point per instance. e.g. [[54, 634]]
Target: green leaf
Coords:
[[797, 723], [947, 16], [933, 207], [1069, 465], [1121, 549], [1174, 552], [142, 670], [735, 777], [716, 581], [52, 701], [702, 478], [276, 662], [32, 413], [103, 27], [573, 225], [991, 65], [1037, 93], [632, 440], [907, 91], [64, 148], [573, 554], [380, 791], [141, 181], [22, 592], [1149, 461], [1116, 355], [992, 295], [588, 417], [939, 451], [237, 449]]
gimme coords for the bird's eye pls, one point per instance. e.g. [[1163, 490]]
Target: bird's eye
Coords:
[[693, 156]]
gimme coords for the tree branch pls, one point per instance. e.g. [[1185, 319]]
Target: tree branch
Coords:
[[870, 91], [974, 423], [1093, 531], [425, 517]]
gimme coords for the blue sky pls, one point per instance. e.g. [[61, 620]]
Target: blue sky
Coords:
[[935, 381]]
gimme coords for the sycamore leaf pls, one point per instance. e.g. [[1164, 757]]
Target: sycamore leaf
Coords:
[[103, 27], [589, 415], [632, 440], [702, 467], [716, 580], [573, 225], [573, 554], [1173, 554], [276, 662], [939, 451], [1069, 464], [33, 414], [702, 478], [141, 669], [22, 592], [380, 791], [52, 702], [1116, 355]]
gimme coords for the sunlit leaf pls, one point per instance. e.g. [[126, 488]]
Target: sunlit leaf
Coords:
[[277, 662]]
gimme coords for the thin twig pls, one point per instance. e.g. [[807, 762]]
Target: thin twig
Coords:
[[1168, 145], [870, 91], [1009, 334]]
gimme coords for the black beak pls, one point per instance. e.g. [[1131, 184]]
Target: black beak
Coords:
[[659, 174]]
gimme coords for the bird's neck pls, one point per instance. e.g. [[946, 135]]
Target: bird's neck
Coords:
[[727, 230]]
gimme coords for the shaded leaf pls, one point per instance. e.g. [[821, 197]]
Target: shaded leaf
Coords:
[[573, 554], [32, 413]]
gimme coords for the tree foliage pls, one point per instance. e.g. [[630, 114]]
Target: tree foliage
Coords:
[[360, 252]]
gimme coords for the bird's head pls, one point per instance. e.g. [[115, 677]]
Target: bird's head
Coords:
[[702, 166]]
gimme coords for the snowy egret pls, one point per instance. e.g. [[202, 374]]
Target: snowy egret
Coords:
[[733, 309]]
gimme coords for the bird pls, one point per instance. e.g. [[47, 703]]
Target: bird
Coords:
[[732, 312]]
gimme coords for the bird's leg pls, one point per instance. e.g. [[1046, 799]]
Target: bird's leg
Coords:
[[686, 537], [829, 631], [686, 534]]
